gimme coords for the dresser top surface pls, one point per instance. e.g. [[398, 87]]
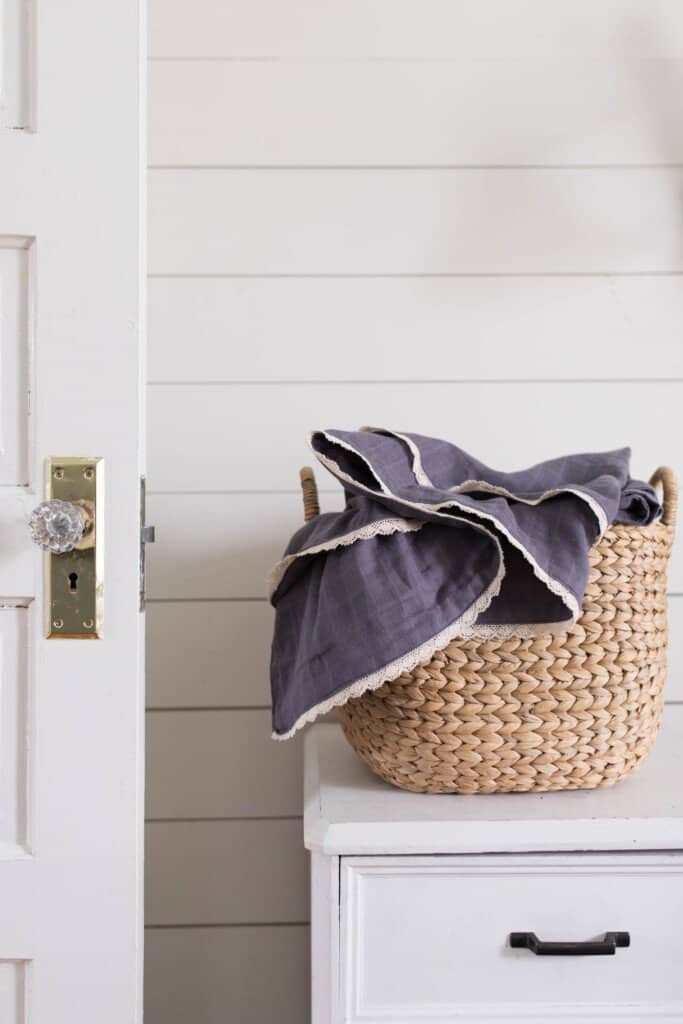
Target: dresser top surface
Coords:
[[348, 810]]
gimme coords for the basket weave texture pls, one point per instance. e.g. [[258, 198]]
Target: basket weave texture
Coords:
[[575, 710]]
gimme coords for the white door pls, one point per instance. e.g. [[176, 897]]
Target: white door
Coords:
[[70, 385]]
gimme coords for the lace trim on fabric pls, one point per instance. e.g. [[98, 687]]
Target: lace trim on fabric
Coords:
[[349, 448], [480, 485], [407, 662], [418, 469], [553, 585], [520, 630], [383, 527]]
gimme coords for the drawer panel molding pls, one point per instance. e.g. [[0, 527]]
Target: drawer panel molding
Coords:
[[427, 938]]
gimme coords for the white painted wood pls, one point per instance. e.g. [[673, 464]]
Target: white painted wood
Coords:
[[189, 425], [351, 811], [16, 78], [504, 328], [13, 991], [427, 938], [223, 764], [325, 908], [674, 686], [16, 628], [220, 545], [215, 975], [224, 545], [15, 264], [405, 113], [225, 872], [426, 29], [70, 224], [414, 221], [222, 661]]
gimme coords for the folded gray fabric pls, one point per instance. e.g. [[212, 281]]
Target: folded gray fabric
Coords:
[[431, 545]]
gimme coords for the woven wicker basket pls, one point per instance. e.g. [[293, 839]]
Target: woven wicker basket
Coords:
[[575, 710]]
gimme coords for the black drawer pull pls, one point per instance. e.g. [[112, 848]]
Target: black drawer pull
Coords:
[[607, 946]]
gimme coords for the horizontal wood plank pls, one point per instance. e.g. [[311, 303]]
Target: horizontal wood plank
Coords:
[[222, 661], [200, 672], [221, 975], [220, 764], [674, 686], [415, 28], [220, 545], [364, 222], [225, 872], [411, 113], [198, 440], [278, 329]]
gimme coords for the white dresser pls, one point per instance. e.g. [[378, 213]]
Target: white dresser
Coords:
[[414, 897]]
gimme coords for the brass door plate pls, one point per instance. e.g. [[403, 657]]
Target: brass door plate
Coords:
[[74, 579]]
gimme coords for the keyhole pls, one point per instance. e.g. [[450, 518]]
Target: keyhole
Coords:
[[73, 581]]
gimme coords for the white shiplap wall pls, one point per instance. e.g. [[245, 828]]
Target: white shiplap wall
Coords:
[[421, 213]]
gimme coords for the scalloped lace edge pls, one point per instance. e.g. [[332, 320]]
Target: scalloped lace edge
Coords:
[[417, 467], [426, 651], [594, 506], [349, 448], [382, 527], [522, 630], [553, 585], [481, 485], [406, 663]]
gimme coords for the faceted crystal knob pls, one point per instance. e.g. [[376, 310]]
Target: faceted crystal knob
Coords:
[[59, 526]]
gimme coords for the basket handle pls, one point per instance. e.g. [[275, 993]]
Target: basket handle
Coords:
[[309, 490], [669, 484]]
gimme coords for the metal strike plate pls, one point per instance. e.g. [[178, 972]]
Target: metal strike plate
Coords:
[[74, 578]]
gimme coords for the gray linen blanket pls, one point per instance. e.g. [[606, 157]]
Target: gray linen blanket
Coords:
[[432, 544]]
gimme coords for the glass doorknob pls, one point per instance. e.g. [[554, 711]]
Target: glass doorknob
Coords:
[[58, 526]]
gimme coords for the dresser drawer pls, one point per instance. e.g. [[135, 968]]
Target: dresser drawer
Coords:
[[427, 938]]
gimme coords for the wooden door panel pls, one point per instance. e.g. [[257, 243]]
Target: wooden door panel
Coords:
[[13, 985], [14, 360], [16, 18], [15, 733]]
